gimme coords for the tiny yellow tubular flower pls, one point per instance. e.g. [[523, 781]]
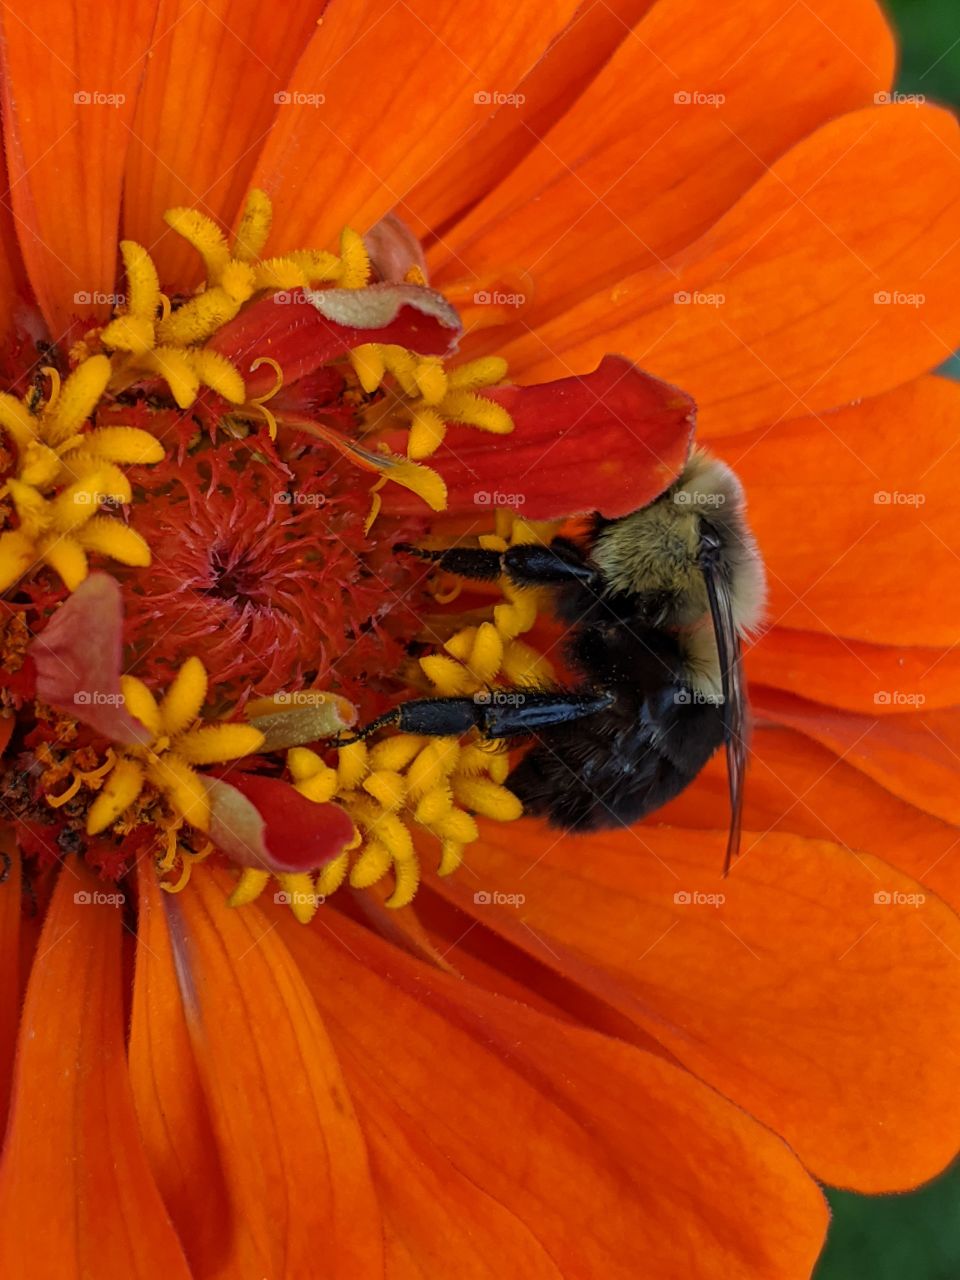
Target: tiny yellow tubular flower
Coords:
[[179, 742], [355, 261], [254, 228], [77, 400], [122, 787], [56, 453]]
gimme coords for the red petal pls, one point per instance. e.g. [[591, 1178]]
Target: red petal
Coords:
[[303, 329], [78, 660], [606, 441], [264, 822]]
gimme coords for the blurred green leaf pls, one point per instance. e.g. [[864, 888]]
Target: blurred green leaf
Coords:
[[930, 37], [908, 1237]]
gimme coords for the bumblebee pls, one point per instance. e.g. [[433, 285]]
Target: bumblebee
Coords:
[[658, 604]]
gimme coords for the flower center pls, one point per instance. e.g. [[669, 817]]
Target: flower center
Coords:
[[213, 458]]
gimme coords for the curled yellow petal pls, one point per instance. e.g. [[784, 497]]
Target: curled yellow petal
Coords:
[[143, 283], [184, 698], [252, 882], [124, 783], [218, 742], [254, 226]]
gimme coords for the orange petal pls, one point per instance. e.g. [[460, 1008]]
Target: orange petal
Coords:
[[168, 1096], [10, 911], [66, 130], [76, 1195], [823, 1013], [631, 175], [797, 785], [205, 55], [349, 159], [847, 506], [555, 83], [13, 277], [777, 311], [869, 678], [279, 1105], [915, 756], [604, 1143]]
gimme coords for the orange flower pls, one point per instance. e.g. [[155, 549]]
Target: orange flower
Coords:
[[574, 1056]]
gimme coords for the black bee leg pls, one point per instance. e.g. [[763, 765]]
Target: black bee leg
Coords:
[[497, 713], [465, 562], [530, 564]]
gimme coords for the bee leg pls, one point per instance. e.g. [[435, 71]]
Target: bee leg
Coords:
[[502, 713], [465, 562], [528, 564]]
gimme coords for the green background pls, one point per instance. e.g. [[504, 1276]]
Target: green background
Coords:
[[915, 1236]]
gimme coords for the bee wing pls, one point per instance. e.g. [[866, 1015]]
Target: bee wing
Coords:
[[734, 701]]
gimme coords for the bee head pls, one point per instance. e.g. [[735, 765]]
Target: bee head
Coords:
[[661, 554]]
